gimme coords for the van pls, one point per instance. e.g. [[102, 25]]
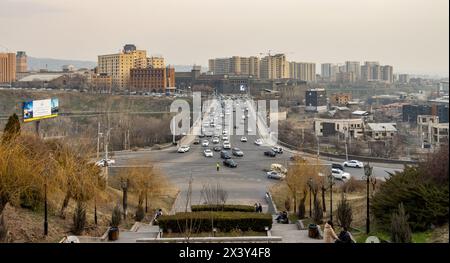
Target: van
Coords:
[[278, 167]]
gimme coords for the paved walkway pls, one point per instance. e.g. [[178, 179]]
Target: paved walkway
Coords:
[[291, 234]]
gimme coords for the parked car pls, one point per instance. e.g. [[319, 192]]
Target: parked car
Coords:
[[277, 149], [243, 139], [205, 143], [215, 140], [258, 142], [275, 175], [226, 145], [237, 152], [353, 163], [337, 166], [208, 153], [217, 148], [230, 163], [105, 162], [184, 148], [225, 138], [202, 135], [339, 174], [196, 141], [225, 154], [270, 153]]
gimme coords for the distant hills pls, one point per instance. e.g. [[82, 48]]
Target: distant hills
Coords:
[[35, 64]]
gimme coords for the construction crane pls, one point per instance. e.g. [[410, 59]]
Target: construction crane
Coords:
[[269, 52]]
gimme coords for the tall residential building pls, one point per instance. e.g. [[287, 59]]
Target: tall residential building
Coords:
[[326, 70], [403, 78], [274, 67], [21, 62], [345, 77], [118, 65], [353, 66], [387, 74], [302, 71], [156, 62], [7, 67], [235, 65], [371, 71], [334, 70], [152, 79]]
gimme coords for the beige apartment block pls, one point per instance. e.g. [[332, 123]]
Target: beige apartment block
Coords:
[[156, 62], [7, 67]]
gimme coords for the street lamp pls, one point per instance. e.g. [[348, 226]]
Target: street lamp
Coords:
[[331, 181], [310, 200], [125, 195], [367, 174]]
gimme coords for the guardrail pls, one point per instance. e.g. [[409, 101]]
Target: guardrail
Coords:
[[254, 239]]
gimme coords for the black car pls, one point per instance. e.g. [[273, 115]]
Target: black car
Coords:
[[230, 163], [337, 166], [270, 153], [196, 141], [217, 148], [202, 135], [225, 155]]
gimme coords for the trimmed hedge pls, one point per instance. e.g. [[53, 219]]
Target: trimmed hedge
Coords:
[[223, 221], [223, 208]]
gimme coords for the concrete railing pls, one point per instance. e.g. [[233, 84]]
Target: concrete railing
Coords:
[[250, 239], [272, 208]]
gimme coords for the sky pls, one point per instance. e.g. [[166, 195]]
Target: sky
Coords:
[[411, 35]]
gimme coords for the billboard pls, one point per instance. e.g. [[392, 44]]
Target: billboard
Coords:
[[40, 109]]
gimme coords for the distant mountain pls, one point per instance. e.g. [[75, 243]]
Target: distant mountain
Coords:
[[56, 64]]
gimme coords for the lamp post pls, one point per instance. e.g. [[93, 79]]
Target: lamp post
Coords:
[[310, 200], [368, 174], [331, 181], [125, 195]]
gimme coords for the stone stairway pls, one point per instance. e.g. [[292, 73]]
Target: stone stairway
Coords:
[[291, 234]]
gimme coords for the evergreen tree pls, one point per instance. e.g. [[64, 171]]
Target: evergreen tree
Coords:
[[12, 128]]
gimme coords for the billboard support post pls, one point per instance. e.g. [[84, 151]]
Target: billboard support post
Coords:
[[37, 127], [45, 211]]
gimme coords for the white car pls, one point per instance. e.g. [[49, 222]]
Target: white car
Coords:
[[249, 130], [215, 140], [226, 145], [205, 143], [104, 162], [258, 142], [275, 175], [339, 174], [183, 148], [208, 153], [243, 139], [353, 163], [225, 138]]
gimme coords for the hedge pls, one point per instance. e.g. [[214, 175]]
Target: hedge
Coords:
[[223, 221], [223, 208]]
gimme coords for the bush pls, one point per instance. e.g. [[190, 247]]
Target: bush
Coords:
[[425, 201], [140, 213], [223, 221], [400, 230], [223, 208], [352, 185], [32, 200], [116, 217], [344, 213], [79, 218]]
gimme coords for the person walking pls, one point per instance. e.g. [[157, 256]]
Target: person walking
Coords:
[[259, 208], [329, 236], [217, 166]]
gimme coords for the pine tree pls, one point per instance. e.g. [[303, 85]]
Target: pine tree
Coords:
[[344, 212], [12, 128], [400, 230]]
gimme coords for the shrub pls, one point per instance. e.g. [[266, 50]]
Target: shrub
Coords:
[[352, 185], [116, 217], [140, 213], [223, 221], [79, 218], [344, 212], [32, 200], [223, 208], [400, 230]]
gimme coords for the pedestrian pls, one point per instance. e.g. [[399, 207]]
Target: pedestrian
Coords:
[[158, 214], [259, 207], [217, 166], [329, 236], [256, 207], [345, 236]]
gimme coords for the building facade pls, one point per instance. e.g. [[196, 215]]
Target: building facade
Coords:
[[350, 128], [340, 99], [7, 67], [21, 62], [316, 100], [354, 67], [235, 65], [325, 70], [119, 65], [152, 79], [274, 67], [302, 71], [156, 62]]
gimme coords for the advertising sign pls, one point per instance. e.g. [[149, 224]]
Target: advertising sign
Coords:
[[40, 109]]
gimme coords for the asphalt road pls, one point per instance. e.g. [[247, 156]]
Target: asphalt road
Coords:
[[245, 184]]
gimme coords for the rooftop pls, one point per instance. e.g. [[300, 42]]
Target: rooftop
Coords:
[[386, 127], [40, 77]]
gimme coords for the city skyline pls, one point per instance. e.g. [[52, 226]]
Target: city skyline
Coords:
[[415, 42]]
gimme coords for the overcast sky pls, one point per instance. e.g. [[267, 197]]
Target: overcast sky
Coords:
[[411, 35]]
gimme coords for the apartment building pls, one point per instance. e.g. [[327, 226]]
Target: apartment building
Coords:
[[316, 100], [21, 62], [274, 67], [119, 65], [152, 79], [340, 99], [302, 71], [7, 67], [156, 62], [351, 128], [353, 67], [235, 65]]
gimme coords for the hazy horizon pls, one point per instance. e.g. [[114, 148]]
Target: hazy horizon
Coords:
[[411, 35]]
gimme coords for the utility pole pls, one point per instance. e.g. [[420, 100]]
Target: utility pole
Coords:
[[98, 140]]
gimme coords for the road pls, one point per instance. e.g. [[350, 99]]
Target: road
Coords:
[[245, 184]]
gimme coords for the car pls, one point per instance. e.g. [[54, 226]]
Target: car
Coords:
[[205, 143], [208, 153], [226, 145], [225, 138], [275, 175], [258, 142], [339, 174], [337, 166], [196, 141], [237, 152], [230, 163], [217, 148], [277, 149], [353, 163], [215, 140], [244, 139], [270, 153], [224, 155], [105, 162], [183, 149], [202, 135]]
